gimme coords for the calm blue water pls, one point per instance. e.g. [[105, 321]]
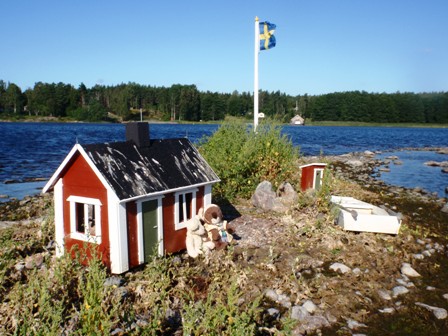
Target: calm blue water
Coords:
[[35, 150]]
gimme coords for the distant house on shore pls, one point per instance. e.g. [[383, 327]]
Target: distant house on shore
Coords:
[[129, 199], [297, 120]]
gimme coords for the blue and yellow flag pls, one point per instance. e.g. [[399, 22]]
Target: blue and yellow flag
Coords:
[[267, 38]]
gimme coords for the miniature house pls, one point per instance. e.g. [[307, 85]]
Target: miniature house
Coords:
[[312, 176], [129, 199]]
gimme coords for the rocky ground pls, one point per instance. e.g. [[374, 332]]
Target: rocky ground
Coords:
[[326, 280], [352, 283]]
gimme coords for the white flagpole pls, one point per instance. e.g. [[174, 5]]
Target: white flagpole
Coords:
[[257, 51]]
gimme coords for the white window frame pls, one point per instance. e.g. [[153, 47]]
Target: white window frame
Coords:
[[322, 170], [86, 236], [177, 223]]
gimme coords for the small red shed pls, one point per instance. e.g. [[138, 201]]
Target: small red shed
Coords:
[[312, 176], [130, 198]]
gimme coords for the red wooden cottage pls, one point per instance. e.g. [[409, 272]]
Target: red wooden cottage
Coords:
[[130, 198]]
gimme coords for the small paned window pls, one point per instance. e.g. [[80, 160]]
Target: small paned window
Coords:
[[85, 218], [185, 204], [80, 226], [185, 208]]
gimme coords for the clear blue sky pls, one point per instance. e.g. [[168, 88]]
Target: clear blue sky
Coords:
[[322, 46]]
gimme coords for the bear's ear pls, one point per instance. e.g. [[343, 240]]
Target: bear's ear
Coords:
[[192, 224], [201, 213], [211, 213]]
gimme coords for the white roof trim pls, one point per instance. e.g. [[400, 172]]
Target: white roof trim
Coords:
[[54, 177], [76, 148], [313, 164], [168, 191]]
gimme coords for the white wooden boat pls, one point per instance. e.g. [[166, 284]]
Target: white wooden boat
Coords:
[[356, 215]]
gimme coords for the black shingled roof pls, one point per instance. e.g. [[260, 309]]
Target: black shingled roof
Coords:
[[133, 171]]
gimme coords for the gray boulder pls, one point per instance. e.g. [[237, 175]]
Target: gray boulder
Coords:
[[355, 163], [271, 294], [287, 194], [113, 281], [281, 201], [274, 312], [34, 261], [312, 323], [439, 313], [445, 208], [340, 268], [354, 325], [264, 196], [384, 294], [299, 313], [407, 270], [399, 290], [309, 306]]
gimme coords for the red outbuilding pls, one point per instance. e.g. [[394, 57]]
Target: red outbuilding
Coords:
[[312, 176], [129, 199]]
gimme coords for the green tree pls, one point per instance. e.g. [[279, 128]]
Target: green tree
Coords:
[[13, 99], [207, 109], [83, 94], [120, 101], [41, 99], [189, 103], [236, 105], [2, 95], [213, 106]]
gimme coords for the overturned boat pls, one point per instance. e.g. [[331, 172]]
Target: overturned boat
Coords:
[[356, 215]]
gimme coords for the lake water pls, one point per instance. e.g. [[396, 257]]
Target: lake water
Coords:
[[414, 173], [35, 150]]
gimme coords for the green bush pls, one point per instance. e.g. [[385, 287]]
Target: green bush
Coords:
[[243, 158], [221, 312], [66, 297], [100, 306], [93, 112]]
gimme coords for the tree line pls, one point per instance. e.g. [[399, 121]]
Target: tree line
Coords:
[[380, 107], [186, 103]]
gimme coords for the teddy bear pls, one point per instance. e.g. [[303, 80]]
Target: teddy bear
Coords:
[[196, 240], [218, 230]]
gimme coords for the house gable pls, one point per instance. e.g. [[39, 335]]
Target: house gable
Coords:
[[80, 181], [80, 177], [66, 165]]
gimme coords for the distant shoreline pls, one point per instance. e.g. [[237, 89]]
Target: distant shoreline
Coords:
[[67, 121], [309, 123]]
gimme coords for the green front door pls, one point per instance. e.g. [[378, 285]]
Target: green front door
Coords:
[[150, 228]]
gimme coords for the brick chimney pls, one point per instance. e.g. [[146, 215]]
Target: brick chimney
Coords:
[[138, 132]]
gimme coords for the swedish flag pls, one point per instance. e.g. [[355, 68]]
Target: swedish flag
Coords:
[[267, 38]]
